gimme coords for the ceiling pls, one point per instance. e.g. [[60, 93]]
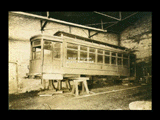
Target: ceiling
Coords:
[[114, 22]]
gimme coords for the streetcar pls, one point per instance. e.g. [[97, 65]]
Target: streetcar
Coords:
[[65, 54]]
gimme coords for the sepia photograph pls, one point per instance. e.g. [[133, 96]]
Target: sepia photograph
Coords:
[[79, 60]]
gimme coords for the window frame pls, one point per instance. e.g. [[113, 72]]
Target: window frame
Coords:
[[56, 47], [108, 55], [85, 51], [90, 52], [52, 48], [34, 53], [72, 50], [102, 54], [114, 57], [96, 54], [120, 57]]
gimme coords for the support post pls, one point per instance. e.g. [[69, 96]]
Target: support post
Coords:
[[51, 85], [93, 34], [86, 86], [101, 24], [88, 33], [120, 16]]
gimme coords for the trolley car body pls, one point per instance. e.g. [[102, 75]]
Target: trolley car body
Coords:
[[54, 57]]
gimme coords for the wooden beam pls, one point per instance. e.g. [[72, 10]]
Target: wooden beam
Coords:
[[107, 15], [88, 33], [120, 15], [58, 21], [93, 34], [42, 26], [47, 14], [130, 15], [101, 24], [111, 25]]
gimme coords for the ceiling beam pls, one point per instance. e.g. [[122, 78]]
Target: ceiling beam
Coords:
[[58, 21], [111, 25], [120, 15], [121, 19], [130, 15], [108, 16], [101, 23]]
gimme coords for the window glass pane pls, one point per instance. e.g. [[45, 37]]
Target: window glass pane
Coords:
[[100, 51], [37, 42], [72, 46], [92, 57], [107, 52], [119, 61], [91, 50], [38, 55], [125, 62], [113, 60], [113, 54], [83, 56], [100, 59], [56, 50], [47, 56], [36, 52], [125, 55], [47, 52], [119, 54], [107, 58], [47, 45], [72, 54], [83, 48], [56, 45], [47, 42]]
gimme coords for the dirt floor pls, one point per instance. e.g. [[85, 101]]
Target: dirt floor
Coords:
[[113, 97]]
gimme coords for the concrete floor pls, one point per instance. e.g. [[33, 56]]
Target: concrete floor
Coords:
[[115, 97]]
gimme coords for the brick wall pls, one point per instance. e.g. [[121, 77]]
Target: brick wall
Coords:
[[139, 37], [106, 37]]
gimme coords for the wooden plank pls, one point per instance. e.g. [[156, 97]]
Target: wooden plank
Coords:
[[81, 78], [53, 76]]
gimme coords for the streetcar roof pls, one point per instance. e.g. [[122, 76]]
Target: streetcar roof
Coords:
[[58, 33]]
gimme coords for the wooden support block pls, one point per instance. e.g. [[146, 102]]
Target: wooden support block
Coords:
[[44, 84], [69, 86], [86, 86], [73, 88], [82, 87], [59, 84], [76, 86], [51, 85]]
